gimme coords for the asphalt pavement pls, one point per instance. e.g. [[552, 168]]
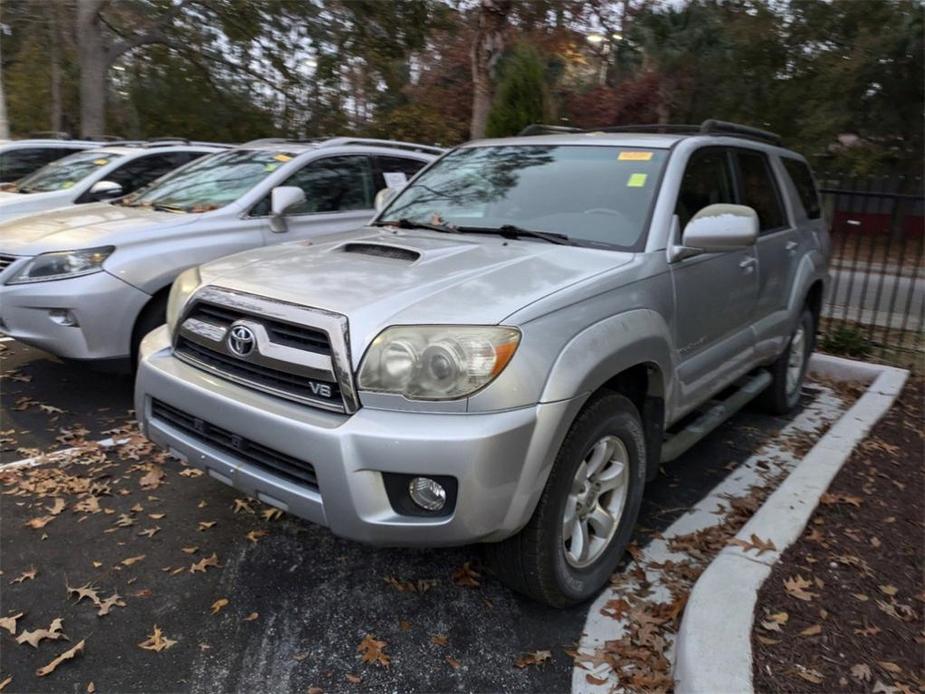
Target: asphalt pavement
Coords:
[[300, 602]]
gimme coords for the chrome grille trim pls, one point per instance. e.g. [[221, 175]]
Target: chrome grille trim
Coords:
[[274, 350]]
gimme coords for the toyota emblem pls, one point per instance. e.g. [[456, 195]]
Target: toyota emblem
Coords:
[[241, 340]]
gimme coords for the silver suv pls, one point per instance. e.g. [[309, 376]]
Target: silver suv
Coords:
[[88, 282], [20, 158], [509, 350]]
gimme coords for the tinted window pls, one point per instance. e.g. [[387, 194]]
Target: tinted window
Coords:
[[397, 165], [141, 171], [596, 194], [803, 181], [334, 184], [707, 181], [759, 190], [16, 163], [65, 173]]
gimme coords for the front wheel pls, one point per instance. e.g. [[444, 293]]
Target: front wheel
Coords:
[[789, 371], [585, 516]]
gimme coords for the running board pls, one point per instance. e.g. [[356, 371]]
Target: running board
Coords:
[[676, 444]]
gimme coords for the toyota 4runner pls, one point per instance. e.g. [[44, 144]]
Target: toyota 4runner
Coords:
[[509, 350]]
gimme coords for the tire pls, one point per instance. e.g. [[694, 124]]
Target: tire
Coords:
[[152, 316], [538, 561], [783, 393]]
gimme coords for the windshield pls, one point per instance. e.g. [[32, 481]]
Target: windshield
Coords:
[[593, 194], [211, 182], [65, 173]]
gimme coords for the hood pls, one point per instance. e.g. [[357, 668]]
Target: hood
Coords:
[[14, 205], [379, 278], [80, 226]]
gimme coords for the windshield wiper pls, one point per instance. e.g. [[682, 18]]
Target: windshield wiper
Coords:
[[405, 223], [510, 231], [168, 208]]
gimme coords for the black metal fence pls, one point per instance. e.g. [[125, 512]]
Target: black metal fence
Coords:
[[875, 306]]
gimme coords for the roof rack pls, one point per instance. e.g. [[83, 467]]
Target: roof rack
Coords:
[[393, 144], [49, 135], [708, 127]]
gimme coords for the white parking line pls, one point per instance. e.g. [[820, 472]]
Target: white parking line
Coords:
[[58, 456], [600, 628]]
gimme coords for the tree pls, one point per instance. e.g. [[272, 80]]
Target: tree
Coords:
[[4, 123], [521, 97], [487, 48]]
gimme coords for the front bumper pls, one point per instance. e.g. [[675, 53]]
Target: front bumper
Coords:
[[501, 460], [105, 308]]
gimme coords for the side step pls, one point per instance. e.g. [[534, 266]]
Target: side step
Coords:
[[676, 444]]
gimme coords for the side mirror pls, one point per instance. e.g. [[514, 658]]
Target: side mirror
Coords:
[[282, 199], [721, 227], [384, 197], [104, 190]]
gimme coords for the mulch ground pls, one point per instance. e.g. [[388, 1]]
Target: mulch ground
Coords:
[[844, 609]]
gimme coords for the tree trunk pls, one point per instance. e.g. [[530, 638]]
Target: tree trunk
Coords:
[[55, 51], [94, 63], [487, 48], [4, 123]]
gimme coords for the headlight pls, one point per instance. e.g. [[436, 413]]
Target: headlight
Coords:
[[186, 283], [62, 265], [436, 362]]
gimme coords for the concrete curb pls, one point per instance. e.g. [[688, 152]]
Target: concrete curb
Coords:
[[713, 648]]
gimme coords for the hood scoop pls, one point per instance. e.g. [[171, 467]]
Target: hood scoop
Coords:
[[382, 251]]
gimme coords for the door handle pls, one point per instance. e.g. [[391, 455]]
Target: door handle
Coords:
[[748, 264], [791, 245]]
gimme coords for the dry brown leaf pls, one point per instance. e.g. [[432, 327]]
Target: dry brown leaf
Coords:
[[755, 543], [150, 532], [796, 587], [242, 505], [156, 516], [439, 639], [353, 679], [67, 655], [766, 641], [33, 638], [252, 616], [537, 658], [153, 479], [58, 506], [25, 576], [219, 604], [156, 642], [889, 667], [132, 560], [452, 662], [39, 523], [205, 525], [255, 535], [5, 682], [861, 672], [9, 623], [809, 674], [91, 688], [814, 630], [203, 564], [404, 625], [888, 590], [596, 681], [466, 576], [189, 550], [190, 472], [370, 650], [271, 514], [867, 631], [85, 591], [775, 621], [112, 601]]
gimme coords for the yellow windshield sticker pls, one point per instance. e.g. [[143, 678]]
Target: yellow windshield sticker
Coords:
[[67, 184], [634, 155], [270, 167], [637, 180], [282, 157], [101, 162]]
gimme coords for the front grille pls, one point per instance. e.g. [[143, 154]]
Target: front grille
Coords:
[[290, 335], [246, 450], [273, 379], [6, 261]]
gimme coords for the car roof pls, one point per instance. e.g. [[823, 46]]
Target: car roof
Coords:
[[50, 141], [300, 146], [130, 149], [653, 140]]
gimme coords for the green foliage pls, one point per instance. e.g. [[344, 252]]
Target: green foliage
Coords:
[[847, 340], [521, 96]]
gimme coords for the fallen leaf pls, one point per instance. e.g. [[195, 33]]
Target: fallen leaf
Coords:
[[861, 672], [755, 543], [156, 516], [189, 550], [58, 506], [775, 621], [299, 657], [153, 479], [85, 591], [452, 662], [814, 630], [796, 586], [106, 605], [766, 641], [888, 590], [33, 638], [466, 576], [156, 641], [205, 525], [537, 658], [271, 514], [38, 523], [439, 640], [255, 535], [218, 605], [867, 631], [889, 667], [25, 576], [252, 616], [150, 532], [91, 688], [596, 681], [5, 682], [9, 623], [67, 655], [404, 625], [353, 679], [315, 690], [132, 560], [370, 650], [809, 674], [190, 472], [50, 409], [242, 505], [203, 564]]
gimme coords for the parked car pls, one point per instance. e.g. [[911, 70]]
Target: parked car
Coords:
[[509, 350], [89, 281], [104, 172], [20, 158]]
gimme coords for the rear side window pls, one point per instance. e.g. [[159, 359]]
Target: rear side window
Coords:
[[707, 181], [16, 163], [392, 169], [759, 190], [803, 181], [334, 184]]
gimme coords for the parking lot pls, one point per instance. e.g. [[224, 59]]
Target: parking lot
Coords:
[[249, 596]]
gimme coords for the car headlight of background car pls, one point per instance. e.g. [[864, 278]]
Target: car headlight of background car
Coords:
[[183, 287], [436, 362], [62, 265]]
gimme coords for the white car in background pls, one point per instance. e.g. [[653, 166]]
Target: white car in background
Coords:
[[88, 282], [20, 158], [104, 172]]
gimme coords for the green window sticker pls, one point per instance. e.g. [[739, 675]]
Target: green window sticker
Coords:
[[637, 180]]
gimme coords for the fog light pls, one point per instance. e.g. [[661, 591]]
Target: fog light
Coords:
[[63, 316], [427, 494]]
